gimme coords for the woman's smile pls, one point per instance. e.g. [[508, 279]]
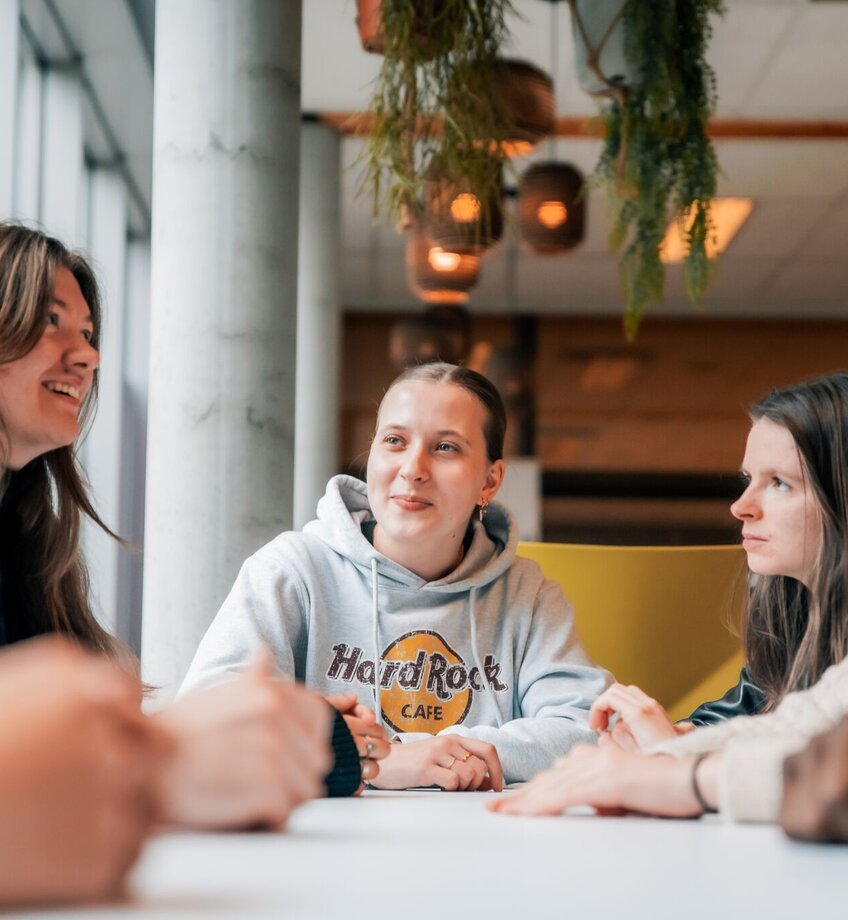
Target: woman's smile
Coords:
[[68, 393], [411, 502]]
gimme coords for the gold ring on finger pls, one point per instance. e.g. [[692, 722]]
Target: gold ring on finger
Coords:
[[467, 755], [452, 762]]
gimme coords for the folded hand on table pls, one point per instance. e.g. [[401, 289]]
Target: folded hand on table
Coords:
[[642, 722], [450, 761], [77, 773], [246, 752]]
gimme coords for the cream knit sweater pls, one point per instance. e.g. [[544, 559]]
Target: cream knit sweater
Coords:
[[754, 747]]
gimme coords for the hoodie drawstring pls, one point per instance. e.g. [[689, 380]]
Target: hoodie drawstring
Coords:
[[375, 637], [472, 622], [375, 618]]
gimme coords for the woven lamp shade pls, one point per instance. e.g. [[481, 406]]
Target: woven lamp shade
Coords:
[[439, 276], [551, 210], [456, 221], [527, 95], [439, 334]]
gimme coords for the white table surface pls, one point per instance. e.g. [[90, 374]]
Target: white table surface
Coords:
[[442, 856]]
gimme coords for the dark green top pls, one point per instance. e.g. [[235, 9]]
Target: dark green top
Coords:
[[745, 699]]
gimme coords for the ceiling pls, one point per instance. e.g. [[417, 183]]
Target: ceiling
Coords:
[[117, 80], [774, 60]]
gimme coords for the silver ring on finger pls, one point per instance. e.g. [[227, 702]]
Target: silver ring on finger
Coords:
[[370, 747]]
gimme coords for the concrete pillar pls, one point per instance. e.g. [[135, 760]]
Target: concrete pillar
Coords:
[[62, 182], [318, 320], [107, 243], [136, 362], [9, 31], [223, 312]]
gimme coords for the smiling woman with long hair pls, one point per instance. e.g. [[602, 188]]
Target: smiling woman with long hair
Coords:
[[49, 335], [50, 323], [407, 592]]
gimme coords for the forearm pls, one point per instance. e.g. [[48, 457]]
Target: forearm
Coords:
[[744, 782]]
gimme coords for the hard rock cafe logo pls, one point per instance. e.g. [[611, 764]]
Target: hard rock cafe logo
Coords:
[[425, 685]]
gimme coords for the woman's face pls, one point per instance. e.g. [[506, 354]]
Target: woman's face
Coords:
[[428, 467], [781, 518], [42, 392]]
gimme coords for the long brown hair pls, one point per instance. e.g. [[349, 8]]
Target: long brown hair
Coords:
[[43, 578], [793, 634]]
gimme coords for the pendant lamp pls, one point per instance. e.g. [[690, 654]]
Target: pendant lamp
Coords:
[[551, 208], [437, 275], [456, 220], [527, 97], [441, 333]]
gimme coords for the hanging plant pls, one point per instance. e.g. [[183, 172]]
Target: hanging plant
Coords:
[[657, 161], [435, 108]]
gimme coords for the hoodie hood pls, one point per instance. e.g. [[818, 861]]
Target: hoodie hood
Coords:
[[344, 509]]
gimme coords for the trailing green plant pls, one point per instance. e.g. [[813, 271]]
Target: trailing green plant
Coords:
[[657, 159], [434, 108]]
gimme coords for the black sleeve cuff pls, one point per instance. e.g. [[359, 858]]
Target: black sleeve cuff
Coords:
[[346, 776]]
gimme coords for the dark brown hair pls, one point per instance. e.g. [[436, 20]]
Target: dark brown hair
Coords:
[[792, 634], [494, 427], [44, 584]]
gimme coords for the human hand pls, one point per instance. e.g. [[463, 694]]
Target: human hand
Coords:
[[623, 737], [641, 723], [610, 779], [450, 761], [77, 769], [815, 789], [369, 737], [246, 752]]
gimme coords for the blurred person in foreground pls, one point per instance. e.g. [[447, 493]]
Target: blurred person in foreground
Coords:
[[815, 789]]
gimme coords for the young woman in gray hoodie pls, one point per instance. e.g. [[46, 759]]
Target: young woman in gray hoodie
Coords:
[[407, 592]]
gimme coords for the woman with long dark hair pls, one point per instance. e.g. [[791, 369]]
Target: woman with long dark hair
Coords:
[[794, 514], [48, 388], [239, 754]]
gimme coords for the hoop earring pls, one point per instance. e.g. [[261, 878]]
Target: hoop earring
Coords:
[[484, 507]]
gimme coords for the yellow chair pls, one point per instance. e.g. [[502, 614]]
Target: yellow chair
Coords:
[[657, 617]]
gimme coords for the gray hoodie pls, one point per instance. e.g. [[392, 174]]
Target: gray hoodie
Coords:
[[330, 606]]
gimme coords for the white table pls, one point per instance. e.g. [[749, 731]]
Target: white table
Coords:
[[441, 856]]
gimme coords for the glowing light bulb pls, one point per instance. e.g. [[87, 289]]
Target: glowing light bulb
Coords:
[[442, 261], [516, 148], [465, 208], [552, 214]]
